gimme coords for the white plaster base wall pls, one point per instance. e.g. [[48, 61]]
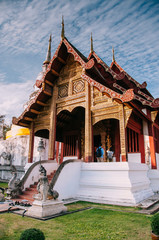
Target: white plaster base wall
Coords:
[[153, 175], [157, 160], [67, 183], [134, 157], [18, 148], [69, 158], [119, 183], [5, 172], [114, 183]]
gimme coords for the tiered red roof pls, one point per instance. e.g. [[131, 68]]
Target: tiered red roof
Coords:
[[112, 80]]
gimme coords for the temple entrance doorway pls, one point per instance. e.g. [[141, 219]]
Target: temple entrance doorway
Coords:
[[41, 142], [106, 132], [71, 144], [97, 141], [70, 132]]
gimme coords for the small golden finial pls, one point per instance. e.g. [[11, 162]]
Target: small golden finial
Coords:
[[48, 55], [92, 44], [113, 54], [49, 48], [50, 39], [63, 30]]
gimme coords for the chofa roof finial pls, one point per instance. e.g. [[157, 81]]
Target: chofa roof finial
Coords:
[[48, 55], [92, 43], [63, 30], [113, 54]]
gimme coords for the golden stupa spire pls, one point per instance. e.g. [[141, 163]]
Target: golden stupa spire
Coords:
[[63, 30], [48, 55], [92, 44], [113, 54]]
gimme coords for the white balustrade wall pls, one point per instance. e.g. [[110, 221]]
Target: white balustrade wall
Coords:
[[112, 183], [50, 166]]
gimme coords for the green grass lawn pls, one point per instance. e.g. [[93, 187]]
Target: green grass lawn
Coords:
[[3, 184], [99, 223]]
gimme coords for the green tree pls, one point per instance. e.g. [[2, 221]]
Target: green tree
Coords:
[[4, 127]]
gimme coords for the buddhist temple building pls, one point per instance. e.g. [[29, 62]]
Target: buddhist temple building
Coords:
[[80, 102]]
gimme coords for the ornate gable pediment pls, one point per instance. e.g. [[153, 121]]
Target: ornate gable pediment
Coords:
[[70, 70], [69, 81]]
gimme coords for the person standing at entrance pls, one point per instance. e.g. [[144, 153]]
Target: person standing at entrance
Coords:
[[100, 153]]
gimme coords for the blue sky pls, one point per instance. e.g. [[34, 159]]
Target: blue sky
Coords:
[[131, 26]]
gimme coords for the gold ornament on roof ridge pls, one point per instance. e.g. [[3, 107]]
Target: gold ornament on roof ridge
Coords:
[[92, 43], [63, 30], [113, 54]]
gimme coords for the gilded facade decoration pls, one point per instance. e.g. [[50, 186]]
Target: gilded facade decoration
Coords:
[[122, 131], [127, 113], [154, 115], [71, 103], [63, 91], [105, 113], [78, 86], [125, 97], [43, 120], [78, 58]]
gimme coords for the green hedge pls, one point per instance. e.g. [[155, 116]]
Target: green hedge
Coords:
[[32, 234], [155, 224]]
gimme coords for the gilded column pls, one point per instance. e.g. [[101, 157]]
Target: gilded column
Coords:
[[31, 143], [88, 126], [52, 133], [57, 152], [122, 134]]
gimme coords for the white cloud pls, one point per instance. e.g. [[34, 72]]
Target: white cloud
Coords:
[[132, 27], [13, 96], [2, 76]]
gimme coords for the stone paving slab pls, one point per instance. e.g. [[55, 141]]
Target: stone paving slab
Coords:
[[24, 214], [5, 206]]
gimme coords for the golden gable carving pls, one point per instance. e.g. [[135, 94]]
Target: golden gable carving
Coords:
[[63, 91], [78, 86]]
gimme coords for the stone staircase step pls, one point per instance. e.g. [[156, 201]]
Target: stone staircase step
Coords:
[[20, 198], [30, 199], [27, 195], [29, 192], [52, 174], [49, 179], [155, 208], [30, 189], [152, 210], [148, 203]]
